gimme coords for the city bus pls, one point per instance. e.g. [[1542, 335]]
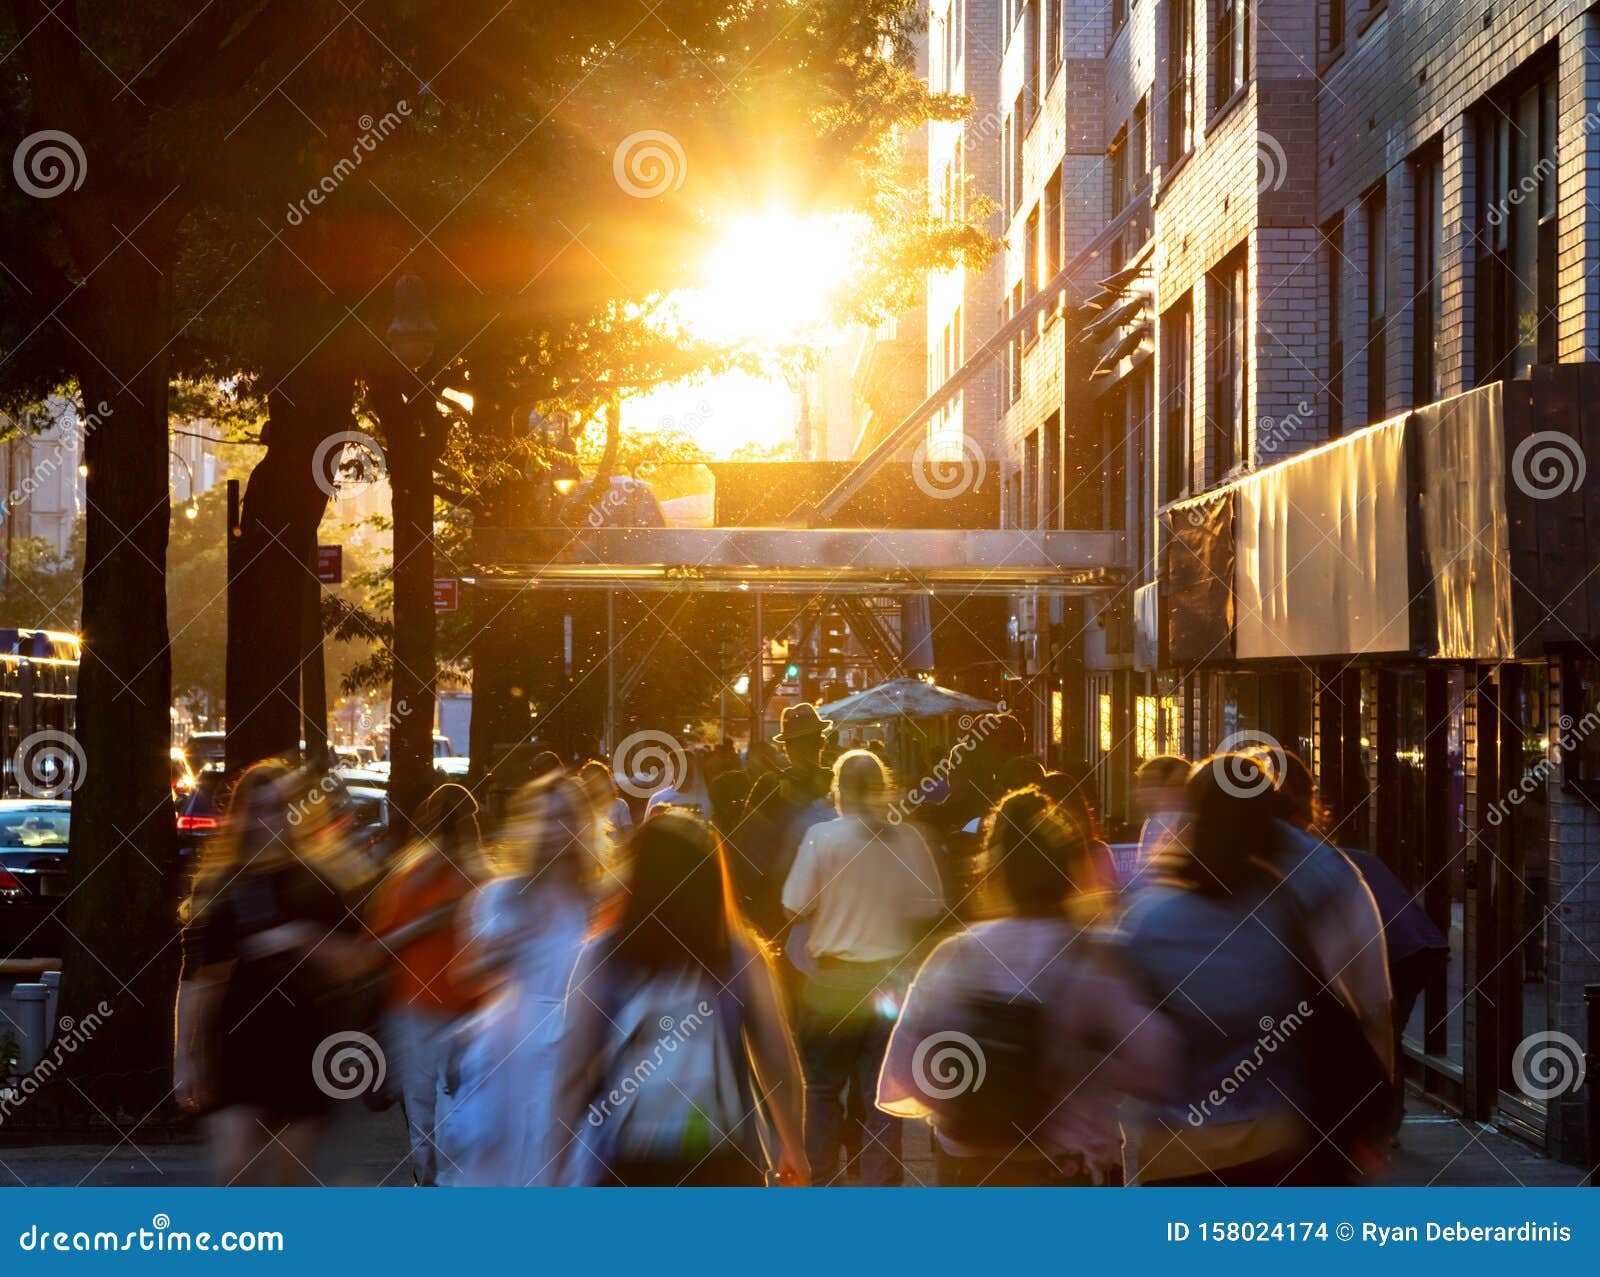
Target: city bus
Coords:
[[38, 693]]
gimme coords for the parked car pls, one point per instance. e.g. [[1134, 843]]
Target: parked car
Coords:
[[205, 751], [34, 834], [200, 813]]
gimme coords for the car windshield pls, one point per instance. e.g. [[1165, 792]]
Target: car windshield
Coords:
[[34, 828]]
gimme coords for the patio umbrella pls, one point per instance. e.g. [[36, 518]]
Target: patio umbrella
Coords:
[[902, 698]]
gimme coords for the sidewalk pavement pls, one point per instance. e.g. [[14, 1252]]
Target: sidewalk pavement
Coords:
[[365, 1148]]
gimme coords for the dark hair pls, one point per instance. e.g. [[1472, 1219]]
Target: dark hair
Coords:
[[1163, 769], [1298, 804], [1233, 809], [1020, 772], [677, 912], [448, 817], [1070, 792], [1040, 858]]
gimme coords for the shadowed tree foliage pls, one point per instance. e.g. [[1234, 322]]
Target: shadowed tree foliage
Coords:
[[234, 193]]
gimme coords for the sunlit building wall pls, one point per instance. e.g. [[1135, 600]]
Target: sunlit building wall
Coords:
[[965, 41]]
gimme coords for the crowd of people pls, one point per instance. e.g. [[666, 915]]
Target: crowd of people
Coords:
[[767, 969]]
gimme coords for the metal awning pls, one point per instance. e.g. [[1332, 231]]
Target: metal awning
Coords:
[[802, 560]]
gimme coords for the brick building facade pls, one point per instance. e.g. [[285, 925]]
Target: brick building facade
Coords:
[[1327, 272]]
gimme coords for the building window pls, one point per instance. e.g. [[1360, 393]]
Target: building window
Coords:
[[1052, 228], [1052, 38], [1030, 480], [1231, 52], [1333, 250], [1016, 156], [1516, 231], [1051, 508], [1426, 304], [1375, 208], [1033, 35], [1139, 145], [1177, 398], [1229, 310], [1117, 161], [1119, 15], [1333, 33], [1030, 255], [1180, 79], [1016, 346]]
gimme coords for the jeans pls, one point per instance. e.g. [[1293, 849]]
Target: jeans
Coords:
[[419, 1047], [842, 1043]]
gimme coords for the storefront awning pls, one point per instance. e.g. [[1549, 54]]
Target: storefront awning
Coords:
[[1434, 534]]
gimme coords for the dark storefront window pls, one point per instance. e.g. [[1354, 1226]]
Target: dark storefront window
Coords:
[[1421, 765]]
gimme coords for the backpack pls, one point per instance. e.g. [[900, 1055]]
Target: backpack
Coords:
[[677, 1085], [1006, 1088], [995, 1094]]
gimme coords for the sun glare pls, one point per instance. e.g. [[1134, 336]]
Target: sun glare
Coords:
[[770, 281]]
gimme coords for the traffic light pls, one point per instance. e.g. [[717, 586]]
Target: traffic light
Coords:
[[791, 670]]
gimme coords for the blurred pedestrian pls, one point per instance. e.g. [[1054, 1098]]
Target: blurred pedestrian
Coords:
[[269, 941], [526, 927], [688, 789], [1238, 941], [1416, 949], [869, 890], [677, 1066], [1019, 1035], [1158, 795], [417, 917], [1070, 792]]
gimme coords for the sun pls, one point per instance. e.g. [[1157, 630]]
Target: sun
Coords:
[[771, 280]]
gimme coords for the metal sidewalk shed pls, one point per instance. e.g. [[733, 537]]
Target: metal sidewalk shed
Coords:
[[802, 560]]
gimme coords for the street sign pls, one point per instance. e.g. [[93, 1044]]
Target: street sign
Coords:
[[445, 589], [330, 564]]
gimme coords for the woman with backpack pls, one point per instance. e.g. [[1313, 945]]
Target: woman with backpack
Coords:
[[1018, 1035], [676, 1046], [1264, 947]]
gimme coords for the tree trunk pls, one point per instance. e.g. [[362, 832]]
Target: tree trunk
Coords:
[[411, 697], [120, 962], [283, 506]]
